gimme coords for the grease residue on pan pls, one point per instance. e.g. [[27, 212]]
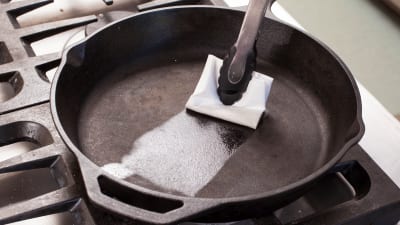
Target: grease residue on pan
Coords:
[[176, 160]]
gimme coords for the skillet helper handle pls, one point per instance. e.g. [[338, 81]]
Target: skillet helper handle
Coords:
[[143, 206], [239, 64]]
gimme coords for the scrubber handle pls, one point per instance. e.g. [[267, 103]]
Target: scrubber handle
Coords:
[[238, 65]]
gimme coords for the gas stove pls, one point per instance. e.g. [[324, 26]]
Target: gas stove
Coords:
[[40, 179]]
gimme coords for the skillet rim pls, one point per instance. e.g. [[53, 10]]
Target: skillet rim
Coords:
[[223, 200]]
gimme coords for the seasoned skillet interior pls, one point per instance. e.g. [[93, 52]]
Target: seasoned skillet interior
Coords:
[[121, 95]]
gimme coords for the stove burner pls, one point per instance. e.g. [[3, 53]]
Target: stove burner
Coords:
[[40, 179]]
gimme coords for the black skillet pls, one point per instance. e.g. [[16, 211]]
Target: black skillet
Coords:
[[130, 81]]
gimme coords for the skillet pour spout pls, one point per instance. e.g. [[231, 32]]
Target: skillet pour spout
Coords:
[[118, 99]]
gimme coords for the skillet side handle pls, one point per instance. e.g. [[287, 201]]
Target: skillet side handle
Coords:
[[146, 207]]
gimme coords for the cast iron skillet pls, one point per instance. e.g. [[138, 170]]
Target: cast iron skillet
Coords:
[[121, 92]]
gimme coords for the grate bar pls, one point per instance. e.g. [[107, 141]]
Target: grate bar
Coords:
[[45, 204], [24, 6], [33, 159], [47, 29]]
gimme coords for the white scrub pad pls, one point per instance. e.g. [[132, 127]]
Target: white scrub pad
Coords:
[[247, 111]]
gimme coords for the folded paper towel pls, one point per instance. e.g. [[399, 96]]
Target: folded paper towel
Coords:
[[247, 111]]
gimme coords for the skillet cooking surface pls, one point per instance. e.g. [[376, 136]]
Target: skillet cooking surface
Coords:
[[139, 117], [131, 81]]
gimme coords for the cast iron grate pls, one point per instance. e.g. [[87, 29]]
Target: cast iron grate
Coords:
[[41, 179], [37, 179], [17, 55]]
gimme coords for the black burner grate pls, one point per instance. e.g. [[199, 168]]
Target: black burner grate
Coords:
[[16, 55]]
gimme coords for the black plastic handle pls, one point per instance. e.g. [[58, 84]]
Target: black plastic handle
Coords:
[[238, 65]]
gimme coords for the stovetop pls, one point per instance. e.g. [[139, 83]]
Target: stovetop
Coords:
[[40, 182]]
